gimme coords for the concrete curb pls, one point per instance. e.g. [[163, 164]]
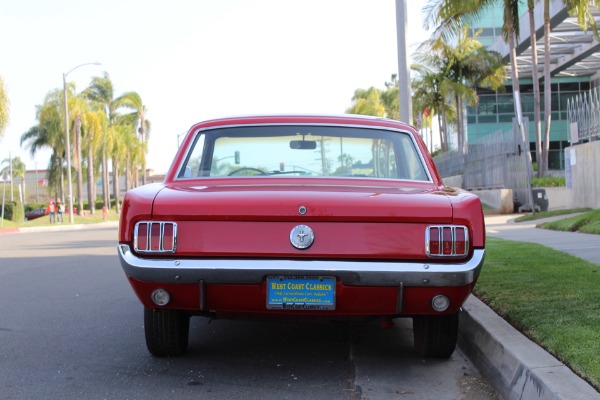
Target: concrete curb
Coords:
[[515, 366]]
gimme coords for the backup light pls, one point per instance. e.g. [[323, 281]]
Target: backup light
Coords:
[[447, 241], [160, 297], [155, 237], [440, 303]]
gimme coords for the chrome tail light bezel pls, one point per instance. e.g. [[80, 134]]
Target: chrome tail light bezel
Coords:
[[440, 250], [155, 237]]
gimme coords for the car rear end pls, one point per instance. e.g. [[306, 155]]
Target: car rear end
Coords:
[[257, 241]]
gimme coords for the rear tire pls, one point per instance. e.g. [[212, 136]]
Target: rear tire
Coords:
[[166, 331], [435, 335]]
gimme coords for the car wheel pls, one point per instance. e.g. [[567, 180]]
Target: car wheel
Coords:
[[435, 335], [166, 331]]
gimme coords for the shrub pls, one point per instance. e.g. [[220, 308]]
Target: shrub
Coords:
[[549, 181]]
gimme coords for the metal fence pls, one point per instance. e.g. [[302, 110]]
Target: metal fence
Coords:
[[583, 114], [498, 161]]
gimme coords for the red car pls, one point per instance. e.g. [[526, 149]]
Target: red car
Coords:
[[302, 217], [37, 213]]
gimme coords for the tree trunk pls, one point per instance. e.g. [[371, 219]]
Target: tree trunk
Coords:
[[116, 184], [143, 136], [547, 90], [536, 93], [444, 131], [105, 186], [77, 126], [91, 180], [517, 99]]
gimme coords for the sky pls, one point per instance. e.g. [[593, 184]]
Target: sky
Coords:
[[192, 60]]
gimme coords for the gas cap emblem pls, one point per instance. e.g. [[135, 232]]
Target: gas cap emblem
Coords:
[[302, 237]]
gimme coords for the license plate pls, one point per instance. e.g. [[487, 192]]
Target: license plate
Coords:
[[301, 292]]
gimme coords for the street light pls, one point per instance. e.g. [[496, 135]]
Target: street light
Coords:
[[68, 141]]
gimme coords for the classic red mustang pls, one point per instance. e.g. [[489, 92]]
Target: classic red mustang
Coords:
[[308, 217]]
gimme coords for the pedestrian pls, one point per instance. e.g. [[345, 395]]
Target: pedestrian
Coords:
[[104, 211], [51, 211], [61, 212]]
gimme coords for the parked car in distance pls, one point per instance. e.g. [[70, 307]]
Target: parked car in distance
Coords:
[[33, 214], [314, 218]]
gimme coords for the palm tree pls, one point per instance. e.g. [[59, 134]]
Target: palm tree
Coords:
[[450, 16], [94, 124], [537, 120], [133, 101], [465, 65], [17, 169], [391, 98], [101, 92], [431, 91], [3, 108], [367, 102], [49, 133], [77, 107]]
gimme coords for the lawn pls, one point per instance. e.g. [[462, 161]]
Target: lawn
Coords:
[[550, 296], [588, 222], [546, 214]]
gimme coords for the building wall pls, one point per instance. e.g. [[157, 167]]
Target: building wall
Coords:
[[582, 173]]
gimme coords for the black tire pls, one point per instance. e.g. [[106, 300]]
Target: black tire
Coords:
[[435, 335], [166, 331]]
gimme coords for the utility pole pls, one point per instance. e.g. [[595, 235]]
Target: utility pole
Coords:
[[404, 89]]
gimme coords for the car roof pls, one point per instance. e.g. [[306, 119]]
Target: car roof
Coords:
[[344, 119]]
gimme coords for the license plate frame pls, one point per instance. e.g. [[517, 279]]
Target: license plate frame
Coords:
[[305, 292]]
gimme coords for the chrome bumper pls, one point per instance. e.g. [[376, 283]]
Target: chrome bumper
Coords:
[[253, 271]]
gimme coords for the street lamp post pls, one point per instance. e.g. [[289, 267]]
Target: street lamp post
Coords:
[[68, 141]]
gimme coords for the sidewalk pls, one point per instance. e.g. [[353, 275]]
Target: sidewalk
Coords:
[[515, 366], [582, 245]]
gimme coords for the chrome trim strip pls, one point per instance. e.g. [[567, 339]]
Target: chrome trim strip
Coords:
[[253, 271], [161, 243], [440, 228]]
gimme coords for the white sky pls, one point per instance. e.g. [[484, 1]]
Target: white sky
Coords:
[[192, 60]]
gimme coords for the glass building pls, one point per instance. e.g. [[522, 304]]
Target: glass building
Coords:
[[575, 63]]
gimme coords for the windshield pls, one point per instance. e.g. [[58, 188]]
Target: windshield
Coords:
[[316, 151]]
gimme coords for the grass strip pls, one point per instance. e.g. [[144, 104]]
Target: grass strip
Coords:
[[588, 222], [546, 214], [77, 219], [550, 296]]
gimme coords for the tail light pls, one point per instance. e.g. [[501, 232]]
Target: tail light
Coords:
[[155, 237], [447, 241]]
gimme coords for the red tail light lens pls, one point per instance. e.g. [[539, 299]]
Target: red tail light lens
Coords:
[[155, 237], [447, 241], [433, 240]]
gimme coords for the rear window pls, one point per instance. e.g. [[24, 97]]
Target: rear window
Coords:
[[301, 151]]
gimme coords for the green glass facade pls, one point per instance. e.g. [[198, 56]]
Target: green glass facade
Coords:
[[496, 111]]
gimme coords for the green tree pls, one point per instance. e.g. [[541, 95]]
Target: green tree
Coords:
[[3, 108], [132, 101], [430, 93], [451, 16], [16, 169], [94, 125], [464, 65], [100, 91], [49, 133], [78, 106], [367, 102], [376, 102]]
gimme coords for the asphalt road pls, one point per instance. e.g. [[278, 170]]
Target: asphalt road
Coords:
[[72, 328]]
